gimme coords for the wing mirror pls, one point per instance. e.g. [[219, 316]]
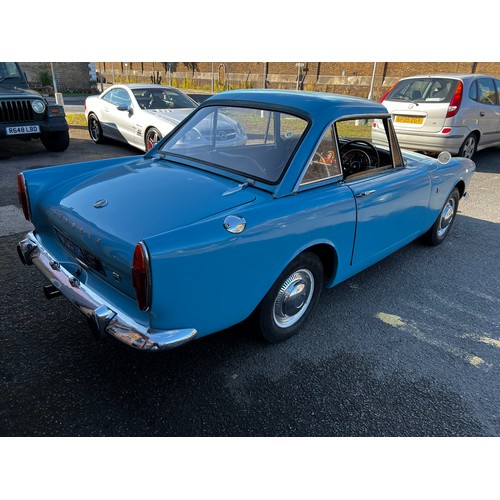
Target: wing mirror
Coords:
[[128, 108]]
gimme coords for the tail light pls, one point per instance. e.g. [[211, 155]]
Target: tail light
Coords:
[[456, 100], [141, 276], [387, 93], [22, 192]]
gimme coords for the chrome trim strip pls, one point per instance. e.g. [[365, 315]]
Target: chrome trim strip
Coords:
[[106, 320]]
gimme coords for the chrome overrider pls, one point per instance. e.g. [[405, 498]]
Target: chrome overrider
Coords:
[[102, 318]]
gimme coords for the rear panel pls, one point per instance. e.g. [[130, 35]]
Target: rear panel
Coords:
[[421, 104]]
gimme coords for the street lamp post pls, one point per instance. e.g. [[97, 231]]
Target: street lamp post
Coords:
[[370, 94], [299, 73]]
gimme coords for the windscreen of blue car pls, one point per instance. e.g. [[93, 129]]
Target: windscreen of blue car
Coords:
[[256, 143]]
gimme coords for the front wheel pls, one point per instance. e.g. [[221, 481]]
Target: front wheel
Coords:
[[440, 229], [152, 137], [55, 141], [291, 299]]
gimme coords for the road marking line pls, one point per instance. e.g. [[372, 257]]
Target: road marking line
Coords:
[[412, 328]]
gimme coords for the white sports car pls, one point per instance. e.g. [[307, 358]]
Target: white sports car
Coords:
[[139, 115]]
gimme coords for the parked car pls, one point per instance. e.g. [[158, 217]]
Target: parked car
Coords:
[[141, 115], [194, 237], [25, 114], [457, 113]]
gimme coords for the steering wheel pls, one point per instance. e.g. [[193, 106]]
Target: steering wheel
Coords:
[[320, 161], [356, 160]]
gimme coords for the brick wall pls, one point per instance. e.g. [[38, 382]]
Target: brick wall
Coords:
[[352, 78], [70, 76]]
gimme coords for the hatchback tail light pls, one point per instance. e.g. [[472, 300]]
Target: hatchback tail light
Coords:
[[141, 276], [387, 93], [22, 192], [456, 100]]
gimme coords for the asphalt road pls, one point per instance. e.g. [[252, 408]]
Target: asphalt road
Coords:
[[409, 347]]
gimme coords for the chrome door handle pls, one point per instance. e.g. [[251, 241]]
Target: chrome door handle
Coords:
[[364, 194], [481, 114]]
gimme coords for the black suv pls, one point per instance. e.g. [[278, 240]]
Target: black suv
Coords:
[[25, 114]]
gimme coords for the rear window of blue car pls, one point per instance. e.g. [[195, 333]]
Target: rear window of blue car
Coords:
[[256, 143]]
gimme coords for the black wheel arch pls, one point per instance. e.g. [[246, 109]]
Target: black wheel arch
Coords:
[[329, 259], [461, 188]]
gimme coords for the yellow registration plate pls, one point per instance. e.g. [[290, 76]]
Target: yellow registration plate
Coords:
[[417, 120]]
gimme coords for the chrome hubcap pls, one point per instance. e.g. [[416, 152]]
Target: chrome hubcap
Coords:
[[293, 298], [446, 217]]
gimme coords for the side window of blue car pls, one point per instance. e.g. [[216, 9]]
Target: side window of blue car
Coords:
[[367, 147], [324, 164]]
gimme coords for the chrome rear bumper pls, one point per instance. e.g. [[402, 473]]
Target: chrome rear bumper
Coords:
[[102, 319]]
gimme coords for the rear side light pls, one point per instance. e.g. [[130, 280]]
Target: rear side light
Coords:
[[387, 93], [456, 100], [22, 192], [141, 276]]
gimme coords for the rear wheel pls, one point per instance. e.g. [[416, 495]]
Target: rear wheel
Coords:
[[152, 137], [291, 299], [440, 229], [55, 141], [95, 129], [469, 147]]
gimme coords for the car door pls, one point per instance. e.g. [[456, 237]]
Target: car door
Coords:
[[391, 209], [120, 116], [497, 85], [484, 92], [106, 103], [391, 198]]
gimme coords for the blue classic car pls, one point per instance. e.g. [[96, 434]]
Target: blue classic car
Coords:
[[196, 235]]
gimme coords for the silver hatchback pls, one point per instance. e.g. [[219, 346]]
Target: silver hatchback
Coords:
[[457, 113]]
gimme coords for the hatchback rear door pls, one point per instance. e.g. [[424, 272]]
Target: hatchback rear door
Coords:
[[421, 104]]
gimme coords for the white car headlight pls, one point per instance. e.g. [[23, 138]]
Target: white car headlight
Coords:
[[38, 106]]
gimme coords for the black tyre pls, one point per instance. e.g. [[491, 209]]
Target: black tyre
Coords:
[[56, 141], [152, 137], [95, 129], [440, 229], [469, 147], [287, 305]]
